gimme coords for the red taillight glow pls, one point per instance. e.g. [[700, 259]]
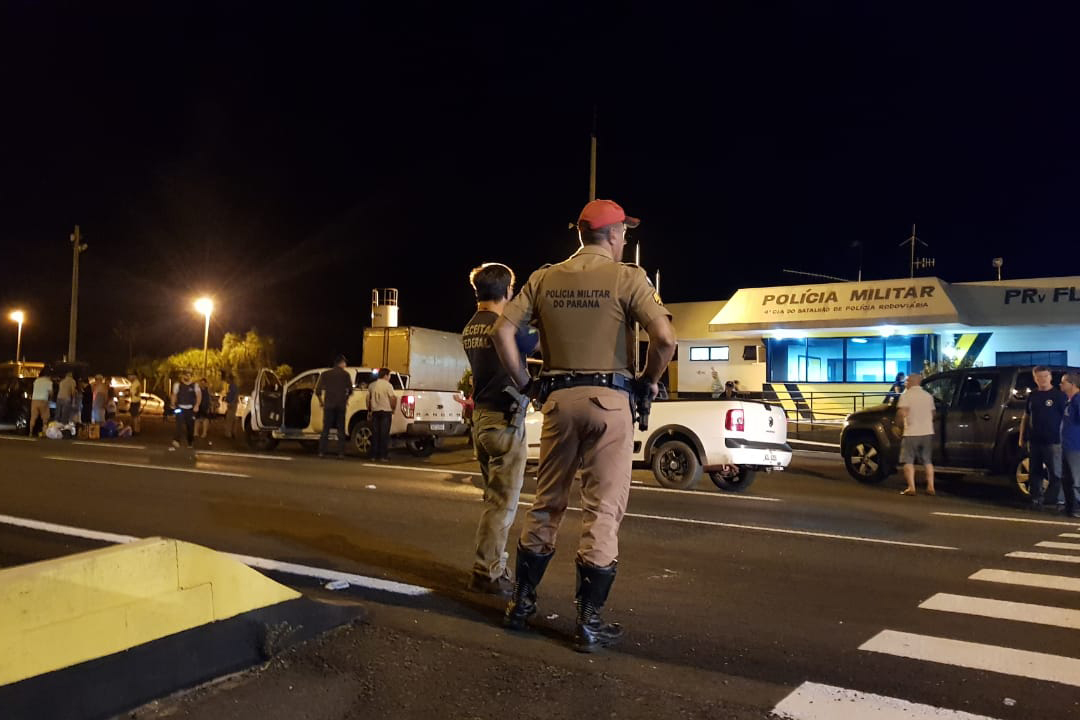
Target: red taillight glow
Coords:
[[735, 420], [408, 406]]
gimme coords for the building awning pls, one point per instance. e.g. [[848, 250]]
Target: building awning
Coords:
[[918, 301]]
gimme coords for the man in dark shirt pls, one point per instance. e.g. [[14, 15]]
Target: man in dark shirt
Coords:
[[1042, 421], [501, 450], [333, 390]]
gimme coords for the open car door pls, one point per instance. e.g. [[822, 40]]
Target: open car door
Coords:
[[267, 402]]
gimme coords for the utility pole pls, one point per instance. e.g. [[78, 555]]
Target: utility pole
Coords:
[[78, 247], [592, 158]]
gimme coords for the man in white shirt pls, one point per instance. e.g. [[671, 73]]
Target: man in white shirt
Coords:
[[915, 410], [382, 401], [39, 402]]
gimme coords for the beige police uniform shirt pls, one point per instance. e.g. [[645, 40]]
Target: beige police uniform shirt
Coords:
[[585, 308]]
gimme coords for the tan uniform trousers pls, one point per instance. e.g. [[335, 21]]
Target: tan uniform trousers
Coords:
[[588, 427], [39, 409], [502, 455]]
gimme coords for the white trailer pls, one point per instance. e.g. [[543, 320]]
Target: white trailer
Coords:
[[433, 359]]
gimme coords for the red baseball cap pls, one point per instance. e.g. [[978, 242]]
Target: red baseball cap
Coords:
[[599, 213]]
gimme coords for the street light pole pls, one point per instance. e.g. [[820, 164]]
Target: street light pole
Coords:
[[78, 247], [206, 306], [18, 316]]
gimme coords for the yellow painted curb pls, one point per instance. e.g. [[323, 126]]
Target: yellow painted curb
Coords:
[[57, 613]]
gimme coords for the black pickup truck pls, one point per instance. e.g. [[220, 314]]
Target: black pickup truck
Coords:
[[976, 426]]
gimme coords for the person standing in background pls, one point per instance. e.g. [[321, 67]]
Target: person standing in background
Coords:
[[915, 410], [232, 397], [1041, 425], [100, 398], [382, 402], [39, 403], [204, 411], [1070, 443], [186, 396], [66, 396], [135, 403], [333, 391]]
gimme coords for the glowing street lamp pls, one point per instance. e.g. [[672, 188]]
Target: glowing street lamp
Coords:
[[206, 306], [18, 316]]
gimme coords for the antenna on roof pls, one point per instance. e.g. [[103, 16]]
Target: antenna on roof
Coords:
[[920, 262], [816, 275]]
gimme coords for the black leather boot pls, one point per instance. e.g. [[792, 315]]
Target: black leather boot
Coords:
[[527, 575], [593, 586]]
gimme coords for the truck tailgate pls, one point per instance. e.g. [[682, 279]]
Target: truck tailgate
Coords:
[[763, 422]]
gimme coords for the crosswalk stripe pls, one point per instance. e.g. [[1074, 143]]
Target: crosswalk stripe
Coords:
[[1004, 610], [977, 656], [1058, 545], [1070, 535], [814, 701], [1052, 557], [1001, 518], [1009, 577]]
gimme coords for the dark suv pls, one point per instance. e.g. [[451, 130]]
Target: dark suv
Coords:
[[976, 426]]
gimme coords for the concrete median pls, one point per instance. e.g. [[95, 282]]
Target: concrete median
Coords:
[[92, 634]]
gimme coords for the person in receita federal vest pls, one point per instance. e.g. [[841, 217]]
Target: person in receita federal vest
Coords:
[[500, 448], [585, 309], [186, 396]]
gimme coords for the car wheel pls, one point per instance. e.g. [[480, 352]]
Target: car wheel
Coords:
[[864, 460], [675, 465], [1022, 477], [361, 438], [421, 447], [733, 478], [259, 440]]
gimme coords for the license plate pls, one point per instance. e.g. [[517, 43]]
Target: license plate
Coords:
[[438, 426], [770, 457]]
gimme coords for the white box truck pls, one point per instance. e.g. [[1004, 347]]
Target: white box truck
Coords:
[[432, 359]]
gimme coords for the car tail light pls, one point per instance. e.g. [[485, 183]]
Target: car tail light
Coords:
[[408, 406], [735, 420]]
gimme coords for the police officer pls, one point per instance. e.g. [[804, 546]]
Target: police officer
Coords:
[[585, 308], [186, 396]]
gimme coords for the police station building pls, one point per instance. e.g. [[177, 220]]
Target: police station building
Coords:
[[855, 337]]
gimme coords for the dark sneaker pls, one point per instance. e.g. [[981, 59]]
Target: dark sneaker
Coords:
[[502, 585]]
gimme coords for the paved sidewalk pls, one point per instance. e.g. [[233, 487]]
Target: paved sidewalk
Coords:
[[408, 663]]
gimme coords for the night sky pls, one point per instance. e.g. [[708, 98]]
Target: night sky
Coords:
[[288, 158]]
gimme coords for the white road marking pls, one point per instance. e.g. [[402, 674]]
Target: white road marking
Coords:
[[250, 560], [977, 656], [18, 437], [781, 531], [1004, 610], [419, 469], [1000, 518], [1070, 535], [147, 466], [813, 701], [814, 442], [96, 444], [725, 496], [1009, 577], [1058, 545], [371, 583], [255, 456], [66, 530], [1052, 557]]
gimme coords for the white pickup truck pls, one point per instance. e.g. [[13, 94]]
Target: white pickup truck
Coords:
[[731, 440], [290, 411]]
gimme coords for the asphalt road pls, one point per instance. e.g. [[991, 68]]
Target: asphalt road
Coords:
[[807, 578]]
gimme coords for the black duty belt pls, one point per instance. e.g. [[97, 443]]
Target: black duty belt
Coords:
[[551, 383]]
